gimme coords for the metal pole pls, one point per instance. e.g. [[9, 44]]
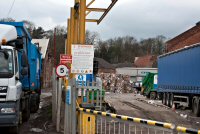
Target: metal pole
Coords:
[[59, 105], [55, 47], [54, 97], [66, 121], [74, 121], [68, 36]]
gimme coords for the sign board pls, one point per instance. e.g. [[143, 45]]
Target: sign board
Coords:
[[81, 79], [62, 71], [139, 78], [82, 59], [65, 58]]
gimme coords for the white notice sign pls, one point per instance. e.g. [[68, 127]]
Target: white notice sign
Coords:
[[82, 59]]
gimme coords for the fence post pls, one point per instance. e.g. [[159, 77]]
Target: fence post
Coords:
[[74, 118], [54, 97], [59, 104], [67, 120]]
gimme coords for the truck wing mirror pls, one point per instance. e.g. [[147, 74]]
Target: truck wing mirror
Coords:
[[24, 71], [24, 60], [19, 43]]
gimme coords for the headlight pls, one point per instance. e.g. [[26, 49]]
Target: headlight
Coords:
[[8, 110]]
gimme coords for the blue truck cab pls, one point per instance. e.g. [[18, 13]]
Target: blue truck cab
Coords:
[[20, 75]]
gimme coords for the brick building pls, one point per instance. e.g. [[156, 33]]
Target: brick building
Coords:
[[189, 37], [147, 61]]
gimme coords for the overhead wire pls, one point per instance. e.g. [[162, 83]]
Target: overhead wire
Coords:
[[11, 8]]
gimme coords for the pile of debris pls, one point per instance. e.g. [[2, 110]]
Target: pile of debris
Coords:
[[116, 83]]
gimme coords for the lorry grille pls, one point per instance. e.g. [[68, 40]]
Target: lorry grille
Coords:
[[3, 89]]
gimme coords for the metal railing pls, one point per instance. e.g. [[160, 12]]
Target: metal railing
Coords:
[[90, 95], [91, 120], [108, 123]]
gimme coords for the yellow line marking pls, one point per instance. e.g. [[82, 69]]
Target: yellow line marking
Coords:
[[95, 112], [124, 117], [103, 113], [88, 110], [113, 115], [137, 120], [181, 129], [168, 125], [152, 123]]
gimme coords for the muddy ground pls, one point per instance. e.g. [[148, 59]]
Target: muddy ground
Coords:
[[130, 104], [136, 105], [40, 122]]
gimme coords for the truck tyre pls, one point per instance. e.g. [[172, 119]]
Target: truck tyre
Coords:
[[153, 95], [159, 96], [171, 100], [34, 103], [168, 99], [26, 111], [196, 106], [164, 99], [15, 129]]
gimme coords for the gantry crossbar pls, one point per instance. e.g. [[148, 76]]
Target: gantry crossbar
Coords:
[[104, 10]]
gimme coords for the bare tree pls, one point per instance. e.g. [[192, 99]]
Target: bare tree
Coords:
[[92, 38]]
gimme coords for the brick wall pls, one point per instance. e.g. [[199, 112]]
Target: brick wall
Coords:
[[190, 37], [47, 71]]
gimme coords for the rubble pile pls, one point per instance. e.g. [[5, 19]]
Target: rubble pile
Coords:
[[116, 83]]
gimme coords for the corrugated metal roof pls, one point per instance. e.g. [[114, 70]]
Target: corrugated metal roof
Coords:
[[43, 43]]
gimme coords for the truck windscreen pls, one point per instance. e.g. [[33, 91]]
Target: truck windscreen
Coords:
[[6, 64]]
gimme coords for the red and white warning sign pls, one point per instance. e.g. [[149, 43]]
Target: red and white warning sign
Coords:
[[62, 71], [65, 58]]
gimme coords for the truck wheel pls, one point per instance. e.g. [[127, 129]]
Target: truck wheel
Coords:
[[167, 98], [26, 111], [164, 99], [159, 96], [196, 106], [171, 100], [152, 95], [34, 102]]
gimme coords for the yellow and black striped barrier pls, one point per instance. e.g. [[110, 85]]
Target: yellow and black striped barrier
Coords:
[[143, 121], [127, 118], [187, 130]]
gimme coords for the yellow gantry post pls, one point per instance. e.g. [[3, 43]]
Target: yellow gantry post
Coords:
[[82, 21], [76, 31]]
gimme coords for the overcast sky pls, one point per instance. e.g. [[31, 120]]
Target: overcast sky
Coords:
[[138, 18]]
